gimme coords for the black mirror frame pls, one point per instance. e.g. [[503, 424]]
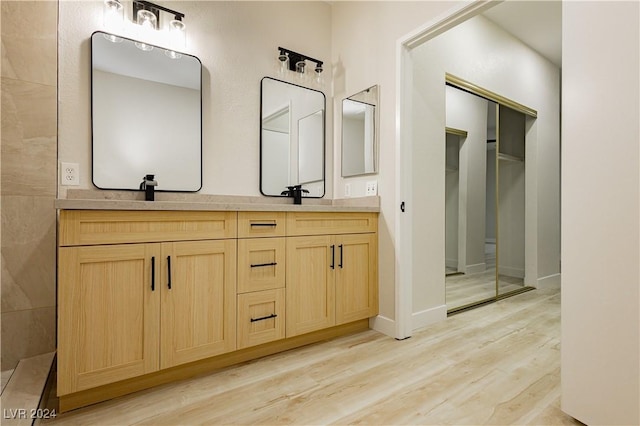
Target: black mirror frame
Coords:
[[91, 111], [324, 137]]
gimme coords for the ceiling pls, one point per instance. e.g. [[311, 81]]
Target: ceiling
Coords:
[[538, 24]]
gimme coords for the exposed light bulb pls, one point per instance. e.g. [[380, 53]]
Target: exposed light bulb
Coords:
[[113, 15], [283, 63], [148, 23], [177, 34], [319, 75], [300, 66]]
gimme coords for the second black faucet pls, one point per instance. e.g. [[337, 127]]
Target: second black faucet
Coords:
[[295, 192]]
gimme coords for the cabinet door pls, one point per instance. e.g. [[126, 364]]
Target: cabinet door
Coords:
[[198, 300], [310, 296], [356, 277], [108, 324]]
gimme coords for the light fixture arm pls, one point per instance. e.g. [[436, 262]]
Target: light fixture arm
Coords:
[[155, 9], [295, 57]]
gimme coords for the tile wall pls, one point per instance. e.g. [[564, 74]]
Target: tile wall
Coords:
[[28, 178]]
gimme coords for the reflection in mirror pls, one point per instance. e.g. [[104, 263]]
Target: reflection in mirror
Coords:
[[484, 199], [292, 136], [146, 115], [359, 134], [311, 147]]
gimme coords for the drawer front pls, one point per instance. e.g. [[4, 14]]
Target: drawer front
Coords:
[[261, 264], [260, 317], [330, 223], [261, 224], [90, 227]]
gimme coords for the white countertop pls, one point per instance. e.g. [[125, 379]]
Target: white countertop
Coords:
[[224, 203]]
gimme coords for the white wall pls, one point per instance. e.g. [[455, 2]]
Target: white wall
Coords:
[[600, 212], [480, 52], [364, 37], [237, 44]]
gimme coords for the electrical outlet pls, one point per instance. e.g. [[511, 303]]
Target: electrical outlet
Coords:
[[347, 190], [372, 187], [70, 174]]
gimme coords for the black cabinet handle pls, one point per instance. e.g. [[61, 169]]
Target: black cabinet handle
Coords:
[[333, 256], [264, 224], [169, 271], [153, 273], [340, 265], [258, 265], [264, 318]]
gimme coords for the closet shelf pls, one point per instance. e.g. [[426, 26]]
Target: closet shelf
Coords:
[[512, 158]]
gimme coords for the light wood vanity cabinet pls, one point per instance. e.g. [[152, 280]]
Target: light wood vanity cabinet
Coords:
[[261, 278], [331, 279], [130, 309], [162, 294]]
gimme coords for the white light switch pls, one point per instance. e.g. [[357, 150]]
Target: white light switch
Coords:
[[347, 190]]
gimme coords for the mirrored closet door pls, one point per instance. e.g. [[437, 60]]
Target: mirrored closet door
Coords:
[[484, 200], [510, 195]]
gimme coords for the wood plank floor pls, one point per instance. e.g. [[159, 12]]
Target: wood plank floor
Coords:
[[464, 289], [497, 364]]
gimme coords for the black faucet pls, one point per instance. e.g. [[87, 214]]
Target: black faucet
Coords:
[[295, 192], [148, 184]]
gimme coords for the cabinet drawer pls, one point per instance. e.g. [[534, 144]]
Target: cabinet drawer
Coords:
[[260, 317], [261, 264], [261, 224], [90, 227], [330, 223]]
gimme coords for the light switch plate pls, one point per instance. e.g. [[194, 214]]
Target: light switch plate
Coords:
[[372, 187], [347, 190], [70, 174]]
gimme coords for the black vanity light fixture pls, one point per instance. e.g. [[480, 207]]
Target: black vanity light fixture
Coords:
[[147, 17], [142, 10], [295, 61]]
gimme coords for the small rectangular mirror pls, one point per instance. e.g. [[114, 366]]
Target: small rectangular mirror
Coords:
[[146, 112], [359, 133], [292, 136]]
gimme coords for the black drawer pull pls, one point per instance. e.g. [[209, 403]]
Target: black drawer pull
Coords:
[[340, 264], [258, 265], [264, 318], [153, 273], [264, 224], [333, 257], [169, 272]]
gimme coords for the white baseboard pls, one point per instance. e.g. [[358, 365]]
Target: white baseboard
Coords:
[[478, 268], [428, 317], [549, 281], [511, 272], [383, 325], [451, 263]]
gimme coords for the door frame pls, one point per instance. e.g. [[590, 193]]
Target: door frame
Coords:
[[404, 148]]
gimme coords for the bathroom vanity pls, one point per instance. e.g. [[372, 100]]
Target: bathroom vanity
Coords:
[[149, 293]]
